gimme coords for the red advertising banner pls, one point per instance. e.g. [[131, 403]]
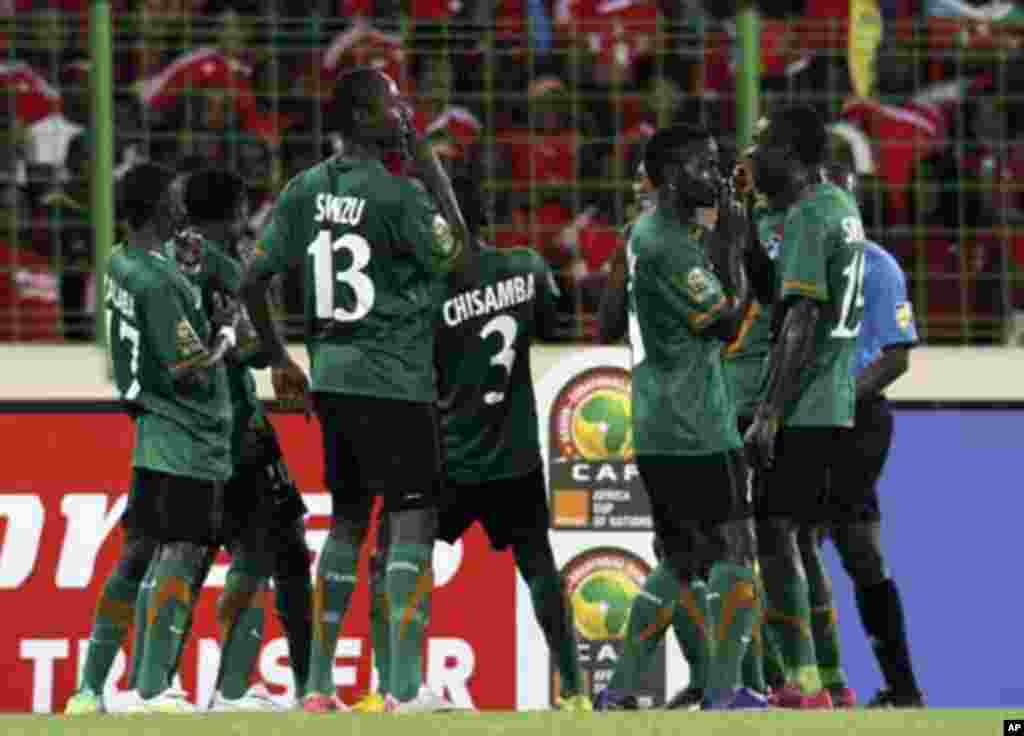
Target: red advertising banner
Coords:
[[63, 484]]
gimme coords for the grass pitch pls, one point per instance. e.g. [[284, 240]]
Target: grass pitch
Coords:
[[782, 723]]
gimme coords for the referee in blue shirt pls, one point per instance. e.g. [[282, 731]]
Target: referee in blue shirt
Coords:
[[887, 334]]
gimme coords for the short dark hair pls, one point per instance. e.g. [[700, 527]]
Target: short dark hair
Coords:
[[804, 130], [356, 89], [661, 145], [140, 192], [212, 195]]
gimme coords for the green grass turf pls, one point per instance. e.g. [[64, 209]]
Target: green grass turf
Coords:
[[783, 723]]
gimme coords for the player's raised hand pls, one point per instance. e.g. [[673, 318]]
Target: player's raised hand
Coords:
[[291, 386], [759, 441]]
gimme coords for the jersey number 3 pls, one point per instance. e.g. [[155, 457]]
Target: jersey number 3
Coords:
[[508, 328], [325, 277]]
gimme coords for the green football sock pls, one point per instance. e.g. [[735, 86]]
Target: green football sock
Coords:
[[825, 626], [141, 617], [555, 617], [790, 612], [240, 618], [690, 623], [170, 603], [774, 666], [293, 597], [753, 662], [380, 622], [335, 581], [115, 611], [737, 594], [410, 583], [649, 618]]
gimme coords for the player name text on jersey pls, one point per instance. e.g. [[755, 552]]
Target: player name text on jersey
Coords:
[[339, 210], [480, 302], [120, 298]]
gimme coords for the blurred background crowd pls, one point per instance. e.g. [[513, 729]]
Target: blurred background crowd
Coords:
[[546, 102]]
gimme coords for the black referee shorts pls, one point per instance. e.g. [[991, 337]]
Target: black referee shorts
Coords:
[[853, 493], [379, 447]]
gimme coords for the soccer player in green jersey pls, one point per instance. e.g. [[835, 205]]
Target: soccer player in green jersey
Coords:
[[690, 617], [374, 253], [680, 313], [168, 369], [490, 442], [263, 509], [807, 409]]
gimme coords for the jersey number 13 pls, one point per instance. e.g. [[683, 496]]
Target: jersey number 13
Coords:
[[325, 277]]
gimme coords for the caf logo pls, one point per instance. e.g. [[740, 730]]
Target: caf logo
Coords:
[[601, 584], [592, 417]]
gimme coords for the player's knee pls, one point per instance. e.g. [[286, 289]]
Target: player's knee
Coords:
[[776, 537], [189, 554], [136, 556], [414, 526], [292, 559], [807, 538], [860, 550], [738, 543]]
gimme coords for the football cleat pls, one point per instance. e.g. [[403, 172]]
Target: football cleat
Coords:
[[255, 700], [170, 700], [321, 703], [843, 697], [742, 699], [370, 703], [791, 696], [574, 704], [609, 699], [84, 703], [126, 703], [889, 699], [426, 701], [689, 698]]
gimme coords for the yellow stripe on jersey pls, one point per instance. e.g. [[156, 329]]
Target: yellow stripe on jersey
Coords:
[[699, 320], [803, 288]]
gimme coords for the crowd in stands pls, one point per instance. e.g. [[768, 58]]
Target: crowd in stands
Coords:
[[547, 102]]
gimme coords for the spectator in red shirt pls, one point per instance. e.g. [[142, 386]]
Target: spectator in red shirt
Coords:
[[615, 33], [29, 291]]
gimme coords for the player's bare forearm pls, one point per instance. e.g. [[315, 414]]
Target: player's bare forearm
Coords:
[[727, 327], [255, 295], [439, 185], [612, 318], [880, 373], [790, 357]]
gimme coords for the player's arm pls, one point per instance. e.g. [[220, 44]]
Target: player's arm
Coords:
[[274, 254], [727, 246], [804, 290], [546, 302], [892, 319], [612, 316], [174, 339], [431, 172], [760, 267]]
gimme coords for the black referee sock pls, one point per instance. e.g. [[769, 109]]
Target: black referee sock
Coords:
[[881, 612]]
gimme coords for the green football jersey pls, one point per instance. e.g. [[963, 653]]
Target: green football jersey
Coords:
[[681, 404], [487, 405], [217, 275], [822, 258], [746, 356], [156, 321], [373, 252]]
